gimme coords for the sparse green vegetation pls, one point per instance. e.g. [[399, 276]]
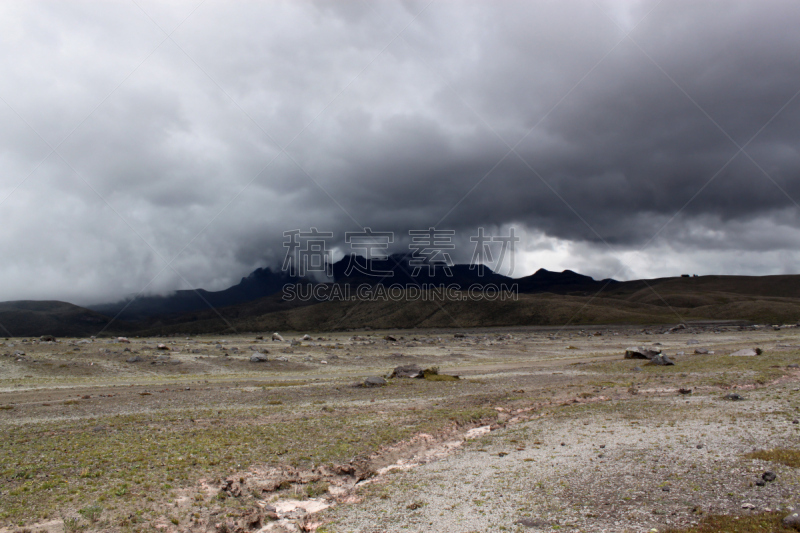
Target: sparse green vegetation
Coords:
[[784, 456], [755, 523]]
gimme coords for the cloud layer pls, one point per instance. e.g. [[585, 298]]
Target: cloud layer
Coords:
[[156, 146]]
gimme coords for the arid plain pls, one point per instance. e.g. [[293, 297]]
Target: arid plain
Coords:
[[546, 429]]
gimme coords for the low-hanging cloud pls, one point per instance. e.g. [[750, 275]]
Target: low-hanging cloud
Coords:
[[189, 136]]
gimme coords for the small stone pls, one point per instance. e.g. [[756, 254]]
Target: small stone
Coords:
[[768, 476], [760, 483], [375, 381], [277, 337], [699, 446], [258, 357], [734, 397], [661, 360], [748, 506], [701, 351]]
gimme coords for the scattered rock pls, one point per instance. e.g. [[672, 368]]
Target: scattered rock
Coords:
[[748, 506], [390, 338], [678, 328], [162, 347], [282, 358], [258, 357], [407, 371], [661, 360], [684, 391], [123, 340], [306, 337], [47, 338], [134, 359], [692, 341], [734, 397], [374, 381], [747, 352], [277, 337], [641, 353], [701, 351], [768, 476], [792, 521]]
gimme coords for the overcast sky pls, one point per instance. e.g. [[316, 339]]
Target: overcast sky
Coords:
[[152, 146]]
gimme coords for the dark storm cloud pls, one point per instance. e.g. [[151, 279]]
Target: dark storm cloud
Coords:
[[395, 116]]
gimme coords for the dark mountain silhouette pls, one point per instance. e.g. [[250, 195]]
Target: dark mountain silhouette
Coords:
[[264, 282], [260, 283]]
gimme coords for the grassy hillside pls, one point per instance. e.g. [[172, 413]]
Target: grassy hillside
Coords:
[[26, 318], [768, 299]]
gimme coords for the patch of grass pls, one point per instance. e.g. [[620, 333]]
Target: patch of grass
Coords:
[[72, 524], [91, 512], [784, 456], [139, 455], [756, 523], [441, 377], [317, 488]]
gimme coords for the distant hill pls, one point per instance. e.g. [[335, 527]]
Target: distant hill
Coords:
[[546, 298], [658, 301], [26, 318]]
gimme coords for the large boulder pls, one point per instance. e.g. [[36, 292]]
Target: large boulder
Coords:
[[641, 353], [407, 371]]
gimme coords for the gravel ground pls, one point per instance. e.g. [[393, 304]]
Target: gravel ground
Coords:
[[615, 466]]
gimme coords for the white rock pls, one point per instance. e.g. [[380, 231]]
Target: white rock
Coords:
[[474, 433]]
